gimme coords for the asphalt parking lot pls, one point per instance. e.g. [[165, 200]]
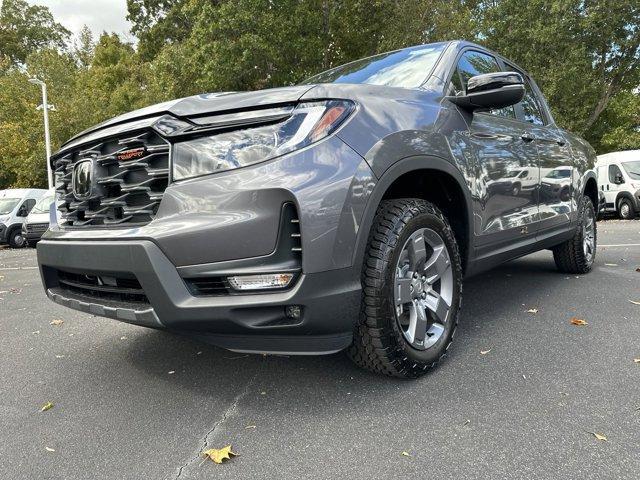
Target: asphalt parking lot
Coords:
[[132, 403]]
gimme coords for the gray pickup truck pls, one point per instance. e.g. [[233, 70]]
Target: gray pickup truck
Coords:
[[341, 213]]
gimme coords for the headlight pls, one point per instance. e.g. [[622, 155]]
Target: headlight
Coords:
[[308, 123]]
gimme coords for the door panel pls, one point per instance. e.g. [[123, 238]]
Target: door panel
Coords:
[[556, 177], [507, 178]]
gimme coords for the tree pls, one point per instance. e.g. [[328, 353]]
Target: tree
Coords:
[[84, 47], [581, 52], [25, 29]]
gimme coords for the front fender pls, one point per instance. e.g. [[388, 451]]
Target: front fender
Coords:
[[392, 173]]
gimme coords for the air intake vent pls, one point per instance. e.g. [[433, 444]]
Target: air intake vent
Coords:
[[295, 236], [127, 178]]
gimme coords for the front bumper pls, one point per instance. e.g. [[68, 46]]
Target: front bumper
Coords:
[[330, 300]]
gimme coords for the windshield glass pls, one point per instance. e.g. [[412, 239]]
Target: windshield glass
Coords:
[[406, 68], [559, 174], [43, 205], [633, 169], [7, 205]]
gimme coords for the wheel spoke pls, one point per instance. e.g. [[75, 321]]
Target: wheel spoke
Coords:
[[403, 290], [438, 305], [434, 334], [417, 251], [417, 330], [437, 265]]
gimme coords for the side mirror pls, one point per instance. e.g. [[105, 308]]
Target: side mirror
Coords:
[[619, 178], [491, 90]]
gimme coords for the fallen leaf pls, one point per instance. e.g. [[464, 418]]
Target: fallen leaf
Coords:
[[218, 455], [532, 310], [56, 322], [578, 321], [484, 352], [405, 454], [599, 436], [49, 449], [636, 360], [635, 303], [46, 406], [638, 269]]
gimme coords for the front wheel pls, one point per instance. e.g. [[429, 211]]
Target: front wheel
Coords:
[[577, 254], [412, 290], [16, 240]]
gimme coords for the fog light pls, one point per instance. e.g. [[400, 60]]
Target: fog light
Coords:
[[261, 282], [293, 311]]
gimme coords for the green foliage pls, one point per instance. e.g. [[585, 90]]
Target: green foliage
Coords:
[[581, 53], [25, 29], [584, 54]]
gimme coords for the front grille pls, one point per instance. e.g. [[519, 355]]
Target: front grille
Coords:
[[110, 286], [37, 227], [125, 191]]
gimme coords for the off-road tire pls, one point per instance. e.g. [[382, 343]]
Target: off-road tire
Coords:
[[569, 256], [626, 214], [378, 343]]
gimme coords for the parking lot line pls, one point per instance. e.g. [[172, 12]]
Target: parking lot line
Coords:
[[622, 245], [6, 269]]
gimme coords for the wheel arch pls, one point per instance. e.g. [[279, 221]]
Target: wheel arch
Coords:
[[591, 189], [404, 179], [628, 196]]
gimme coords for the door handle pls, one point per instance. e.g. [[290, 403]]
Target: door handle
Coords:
[[527, 137]]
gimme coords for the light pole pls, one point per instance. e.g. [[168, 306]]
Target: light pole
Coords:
[[45, 110]]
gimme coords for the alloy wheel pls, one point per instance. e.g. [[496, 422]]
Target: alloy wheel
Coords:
[[588, 235], [423, 289]]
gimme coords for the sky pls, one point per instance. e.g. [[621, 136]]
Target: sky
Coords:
[[98, 15]]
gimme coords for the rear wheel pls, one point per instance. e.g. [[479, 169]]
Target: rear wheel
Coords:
[[16, 240], [625, 209], [577, 254], [412, 290]]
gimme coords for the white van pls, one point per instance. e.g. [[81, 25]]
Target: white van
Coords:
[[619, 179], [15, 205]]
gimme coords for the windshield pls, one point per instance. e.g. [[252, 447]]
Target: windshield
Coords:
[[633, 169], [7, 205], [406, 68], [559, 174], [43, 205]]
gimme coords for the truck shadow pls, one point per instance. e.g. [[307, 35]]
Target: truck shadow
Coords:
[[489, 299]]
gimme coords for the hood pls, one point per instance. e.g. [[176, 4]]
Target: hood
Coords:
[[206, 104], [37, 218]]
